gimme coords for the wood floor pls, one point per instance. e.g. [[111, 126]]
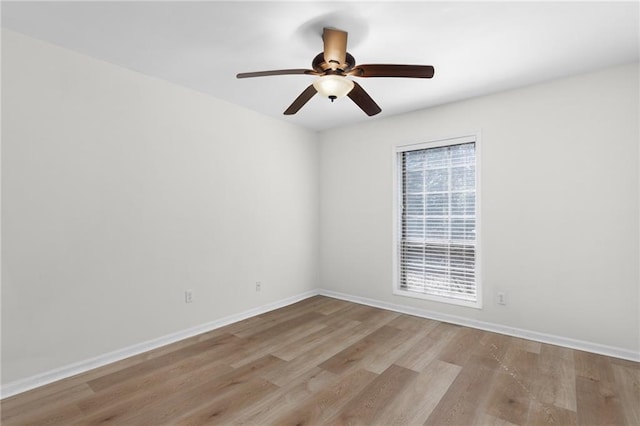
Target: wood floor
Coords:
[[326, 361]]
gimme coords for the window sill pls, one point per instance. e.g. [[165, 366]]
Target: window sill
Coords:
[[448, 300]]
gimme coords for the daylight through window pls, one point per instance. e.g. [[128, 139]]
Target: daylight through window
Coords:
[[437, 251]]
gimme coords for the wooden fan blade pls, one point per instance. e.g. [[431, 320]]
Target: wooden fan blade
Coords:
[[335, 47], [301, 100], [389, 70], [363, 100], [276, 72]]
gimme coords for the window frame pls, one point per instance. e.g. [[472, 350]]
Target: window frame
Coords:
[[397, 216]]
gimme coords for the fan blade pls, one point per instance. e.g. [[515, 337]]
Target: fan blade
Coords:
[[301, 100], [335, 47], [276, 72], [363, 100], [388, 70]]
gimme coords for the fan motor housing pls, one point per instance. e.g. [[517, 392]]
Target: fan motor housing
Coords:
[[320, 65]]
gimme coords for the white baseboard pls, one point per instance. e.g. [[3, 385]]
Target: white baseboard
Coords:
[[487, 326], [23, 385], [42, 379]]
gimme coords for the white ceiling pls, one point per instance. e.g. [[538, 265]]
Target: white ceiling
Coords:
[[476, 47]]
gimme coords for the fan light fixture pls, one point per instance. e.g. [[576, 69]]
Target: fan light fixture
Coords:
[[333, 86]]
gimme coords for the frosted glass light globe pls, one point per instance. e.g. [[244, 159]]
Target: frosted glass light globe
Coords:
[[333, 86]]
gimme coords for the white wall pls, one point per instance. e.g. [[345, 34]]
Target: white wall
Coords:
[[559, 173], [120, 191]]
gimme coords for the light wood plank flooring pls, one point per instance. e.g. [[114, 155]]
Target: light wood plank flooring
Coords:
[[326, 361]]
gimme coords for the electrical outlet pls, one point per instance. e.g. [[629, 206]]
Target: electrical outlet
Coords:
[[258, 286], [188, 296], [502, 298]]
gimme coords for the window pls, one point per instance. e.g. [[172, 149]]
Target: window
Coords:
[[437, 223]]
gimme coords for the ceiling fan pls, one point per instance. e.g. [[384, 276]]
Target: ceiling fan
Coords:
[[334, 65]]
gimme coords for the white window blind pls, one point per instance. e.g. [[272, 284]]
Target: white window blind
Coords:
[[437, 226]]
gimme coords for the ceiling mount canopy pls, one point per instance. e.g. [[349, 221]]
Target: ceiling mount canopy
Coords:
[[333, 65]]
